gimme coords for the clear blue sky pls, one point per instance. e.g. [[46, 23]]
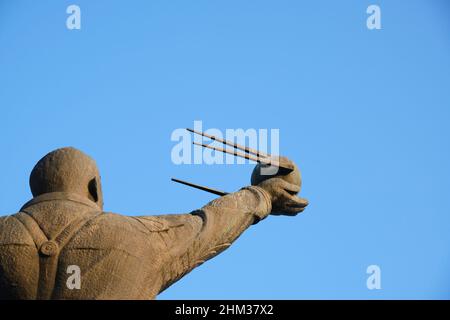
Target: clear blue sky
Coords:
[[365, 114]]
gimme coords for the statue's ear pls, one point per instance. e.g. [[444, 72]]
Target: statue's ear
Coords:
[[93, 189]]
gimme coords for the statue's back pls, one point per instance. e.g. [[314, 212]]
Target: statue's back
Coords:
[[116, 255]]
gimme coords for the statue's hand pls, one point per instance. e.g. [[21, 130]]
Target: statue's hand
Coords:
[[284, 197]]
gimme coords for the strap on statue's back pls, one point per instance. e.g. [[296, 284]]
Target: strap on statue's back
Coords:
[[49, 250]]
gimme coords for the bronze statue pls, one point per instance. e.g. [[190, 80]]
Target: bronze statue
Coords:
[[121, 257]]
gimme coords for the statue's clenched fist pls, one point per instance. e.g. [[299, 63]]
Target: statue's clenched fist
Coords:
[[282, 187], [284, 197]]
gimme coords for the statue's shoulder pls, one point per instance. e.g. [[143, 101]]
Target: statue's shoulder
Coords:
[[12, 230], [150, 223], [153, 223], [165, 222], [3, 219], [9, 221]]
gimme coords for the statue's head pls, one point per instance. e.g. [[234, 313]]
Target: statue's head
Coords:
[[67, 170]]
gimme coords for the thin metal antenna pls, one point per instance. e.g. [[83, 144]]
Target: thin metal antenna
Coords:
[[197, 186], [232, 144]]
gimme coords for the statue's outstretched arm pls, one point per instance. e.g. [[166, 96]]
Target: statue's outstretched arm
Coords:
[[196, 237], [191, 239]]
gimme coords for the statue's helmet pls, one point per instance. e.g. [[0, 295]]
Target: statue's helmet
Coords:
[[67, 170]]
